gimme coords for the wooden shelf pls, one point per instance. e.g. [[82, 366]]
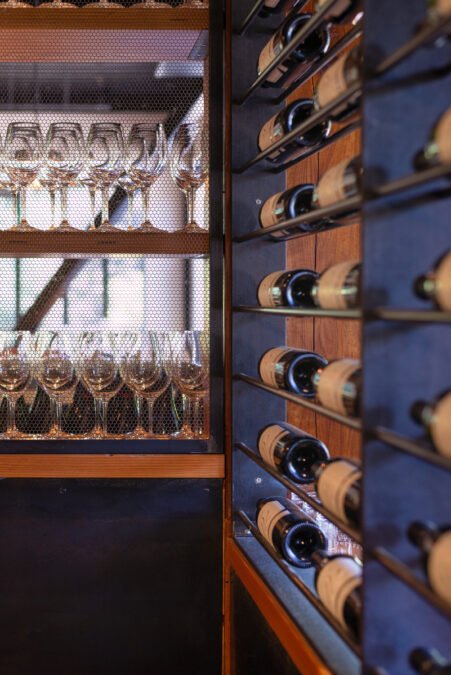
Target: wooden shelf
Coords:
[[112, 466], [86, 244]]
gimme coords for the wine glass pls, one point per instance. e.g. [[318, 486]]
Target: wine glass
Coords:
[[64, 155], [22, 160], [192, 374], [147, 156], [189, 165], [15, 374], [130, 186], [99, 370], [46, 180], [147, 374], [56, 371], [106, 162], [86, 180]]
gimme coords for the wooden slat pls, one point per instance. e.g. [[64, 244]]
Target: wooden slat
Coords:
[[298, 648], [95, 18], [112, 466], [86, 244]]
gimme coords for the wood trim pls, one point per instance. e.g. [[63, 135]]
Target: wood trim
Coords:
[[300, 651], [95, 18], [112, 466], [88, 244]]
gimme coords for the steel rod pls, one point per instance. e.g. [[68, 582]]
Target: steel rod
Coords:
[[346, 206], [341, 133], [298, 311], [411, 315], [412, 180], [427, 34], [305, 590], [352, 35], [352, 422], [254, 11], [412, 447], [345, 527], [403, 573], [312, 121], [304, 32]]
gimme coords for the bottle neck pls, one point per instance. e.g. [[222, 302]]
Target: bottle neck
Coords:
[[423, 535], [428, 661], [425, 286]]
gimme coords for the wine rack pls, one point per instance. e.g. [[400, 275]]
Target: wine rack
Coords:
[[405, 346]]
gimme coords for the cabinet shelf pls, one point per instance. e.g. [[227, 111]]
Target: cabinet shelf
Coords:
[[101, 244]]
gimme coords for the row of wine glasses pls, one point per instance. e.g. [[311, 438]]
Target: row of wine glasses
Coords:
[[64, 160], [146, 362], [152, 4]]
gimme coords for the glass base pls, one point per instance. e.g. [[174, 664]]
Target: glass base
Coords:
[[23, 226], [151, 5], [104, 4], [136, 435], [57, 4], [106, 227], [148, 228], [64, 227], [193, 227]]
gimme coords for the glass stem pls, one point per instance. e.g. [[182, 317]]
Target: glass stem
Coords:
[[105, 204], [139, 412], [97, 409], [190, 205], [197, 430], [92, 196], [11, 415], [145, 203], [104, 418], [23, 203], [58, 417], [63, 203], [130, 197], [14, 200], [150, 407], [52, 208]]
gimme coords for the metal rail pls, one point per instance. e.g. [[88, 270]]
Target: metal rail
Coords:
[[254, 12], [299, 311], [411, 447]]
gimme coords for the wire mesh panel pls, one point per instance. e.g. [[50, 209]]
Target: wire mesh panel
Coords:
[[105, 230]]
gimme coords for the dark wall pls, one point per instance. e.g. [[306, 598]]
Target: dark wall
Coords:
[[110, 577]]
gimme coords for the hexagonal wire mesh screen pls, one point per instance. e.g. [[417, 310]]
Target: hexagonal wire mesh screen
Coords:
[[108, 346]]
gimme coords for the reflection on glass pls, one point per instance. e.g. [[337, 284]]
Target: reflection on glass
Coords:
[[15, 374]]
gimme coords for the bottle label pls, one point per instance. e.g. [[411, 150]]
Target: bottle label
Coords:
[[331, 283], [269, 514], [443, 280], [338, 8], [270, 132], [268, 213], [439, 566], [331, 186], [442, 7], [267, 55], [441, 426], [334, 483], [332, 83], [271, 3], [443, 137], [268, 365], [268, 441], [268, 293], [332, 382], [335, 582]]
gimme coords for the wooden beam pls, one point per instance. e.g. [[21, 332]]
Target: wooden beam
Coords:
[[304, 657], [112, 466]]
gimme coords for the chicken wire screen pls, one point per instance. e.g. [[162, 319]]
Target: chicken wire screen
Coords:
[[111, 346]]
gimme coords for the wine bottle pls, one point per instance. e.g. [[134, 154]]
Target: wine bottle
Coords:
[[342, 181], [290, 531], [290, 288], [338, 287], [285, 121], [439, 9], [277, 7], [338, 582], [290, 204], [291, 369], [339, 77], [435, 417], [436, 285], [306, 52], [291, 451], [337, 483], [337, 386], [435, 543], [343, 11], [429, 662], [438, 148]]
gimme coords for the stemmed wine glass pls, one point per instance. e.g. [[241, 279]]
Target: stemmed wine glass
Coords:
[[88, 181], [189, 165], [22, 160], [64, 154], [147, 374], [130, 185], [15, 373], [56, 371], [105, 162], [147, 156], [46, 180], [192, 373], [100, 361]]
